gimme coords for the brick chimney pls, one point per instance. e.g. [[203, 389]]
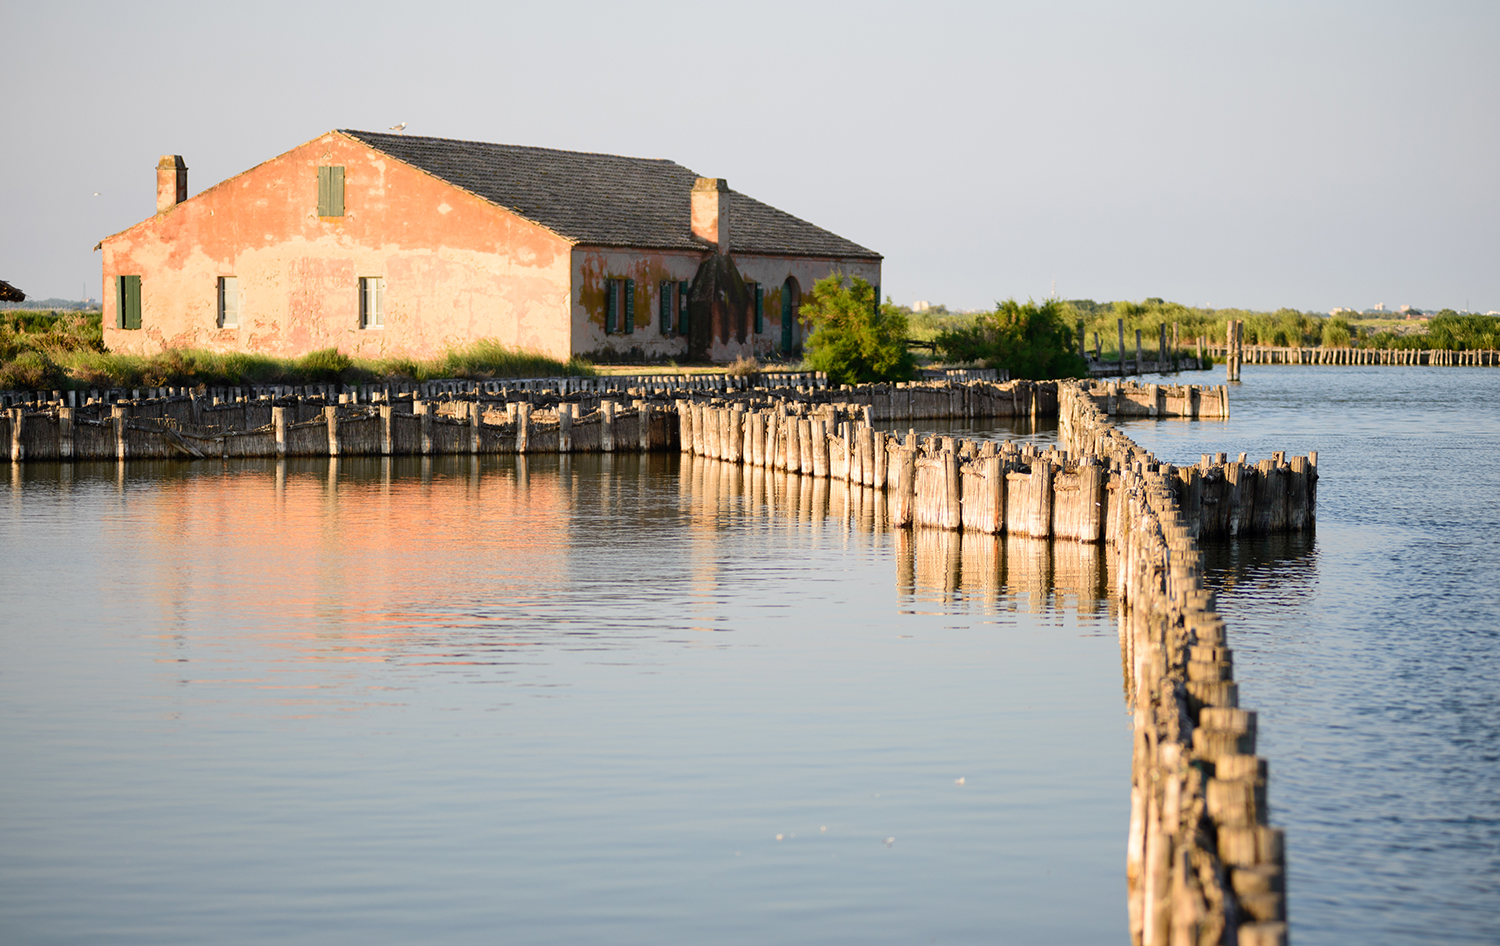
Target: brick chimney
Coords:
[[711, 212], [171, 182]]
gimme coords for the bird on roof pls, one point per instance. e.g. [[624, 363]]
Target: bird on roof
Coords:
[[400, 127]]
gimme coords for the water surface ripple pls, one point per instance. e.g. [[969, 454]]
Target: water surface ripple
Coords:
[[598, 700], [1372, 649]]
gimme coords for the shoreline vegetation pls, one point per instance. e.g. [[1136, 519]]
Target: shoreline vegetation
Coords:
[[47, 351], [63, 349]]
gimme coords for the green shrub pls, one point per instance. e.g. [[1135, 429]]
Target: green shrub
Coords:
[[1030, 340], [855, 339]]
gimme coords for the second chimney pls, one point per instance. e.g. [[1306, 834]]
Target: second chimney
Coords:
[[711, 212], [171, 182]]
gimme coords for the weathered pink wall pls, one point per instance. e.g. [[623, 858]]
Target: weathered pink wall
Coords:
[[456, 268], [593, 265]]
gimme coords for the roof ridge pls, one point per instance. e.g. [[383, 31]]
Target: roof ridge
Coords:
[[498, 144]]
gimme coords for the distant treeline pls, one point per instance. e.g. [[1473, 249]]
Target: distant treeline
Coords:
[[51, 305], [1284, 327]]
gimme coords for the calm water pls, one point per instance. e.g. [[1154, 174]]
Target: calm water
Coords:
[[1372, 649], [602, 701]]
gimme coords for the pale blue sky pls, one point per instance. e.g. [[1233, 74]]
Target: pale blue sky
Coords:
[[1301, 154]]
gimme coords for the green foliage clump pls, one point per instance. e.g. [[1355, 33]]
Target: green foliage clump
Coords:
[[854, 338], [1030, 340]]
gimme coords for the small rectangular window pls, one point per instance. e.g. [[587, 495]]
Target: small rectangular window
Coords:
[[760, 308], [371, 302], [330, 192], [682, 308], [128, 302], [229, 302]]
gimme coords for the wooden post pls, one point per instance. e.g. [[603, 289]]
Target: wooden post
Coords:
[[607, 428], [805, 446], [643, 418], [903, 496], [122, 440], [331, 418], [385, 429], [565, 426], [65, 433], [278, 424], [523, 427], [17, 445], [476, 422], [818, 433], [952, 517]]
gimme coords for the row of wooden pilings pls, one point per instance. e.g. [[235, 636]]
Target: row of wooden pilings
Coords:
[[1432, 357], [1203, 865]]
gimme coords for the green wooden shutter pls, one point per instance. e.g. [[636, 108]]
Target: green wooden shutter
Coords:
[[611, 306], [629, 306], [330, 191], [664, 305], [760, 309], [129, 302], [682, 308], [877, 297], [786, 316]]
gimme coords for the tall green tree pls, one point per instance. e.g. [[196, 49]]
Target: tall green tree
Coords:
[[854, 338], [1030, 340]]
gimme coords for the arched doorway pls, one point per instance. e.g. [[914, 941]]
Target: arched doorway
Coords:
[[791, 309]]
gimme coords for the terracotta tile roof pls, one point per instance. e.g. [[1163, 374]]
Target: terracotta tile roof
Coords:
[[604, 199]]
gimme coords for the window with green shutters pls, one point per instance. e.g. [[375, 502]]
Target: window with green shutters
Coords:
[[128, 301], [330, 192], [664, 305], [629, 287], [619, 306]]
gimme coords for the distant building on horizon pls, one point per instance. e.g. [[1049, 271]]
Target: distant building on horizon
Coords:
[[385, 245]]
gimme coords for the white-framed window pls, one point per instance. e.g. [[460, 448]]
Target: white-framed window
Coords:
[[371, 302], [229, 302]]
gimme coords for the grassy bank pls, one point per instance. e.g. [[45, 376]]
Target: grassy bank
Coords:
[[46, 351]]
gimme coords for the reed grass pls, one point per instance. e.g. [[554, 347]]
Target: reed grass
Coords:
[[57, 351]]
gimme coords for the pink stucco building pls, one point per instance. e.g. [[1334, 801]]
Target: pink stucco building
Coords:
[[383, 244]]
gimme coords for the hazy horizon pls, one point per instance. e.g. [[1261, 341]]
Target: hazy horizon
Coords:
[[1285, 155]]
